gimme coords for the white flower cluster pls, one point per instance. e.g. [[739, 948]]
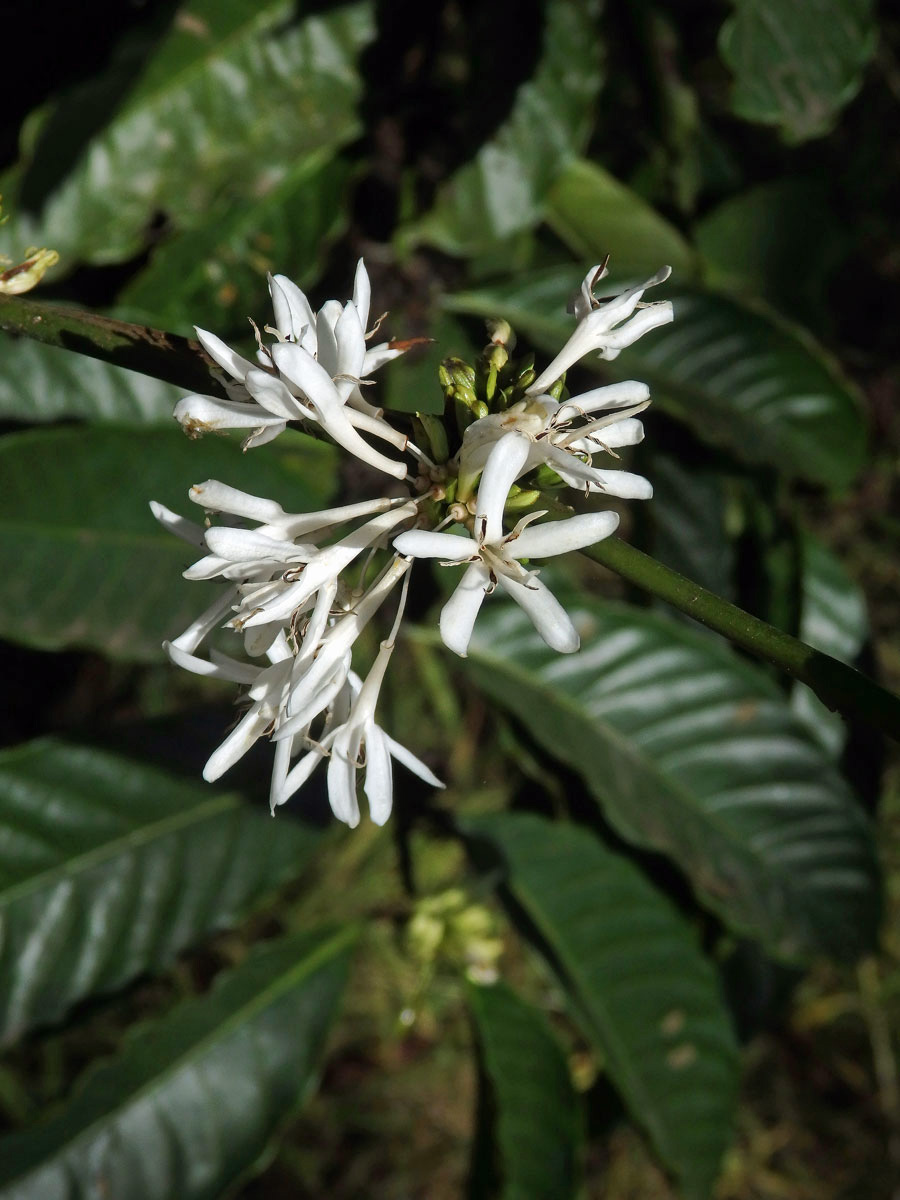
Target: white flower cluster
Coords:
[[285, 574]]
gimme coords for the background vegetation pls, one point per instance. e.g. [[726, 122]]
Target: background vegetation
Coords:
[[665, 850]]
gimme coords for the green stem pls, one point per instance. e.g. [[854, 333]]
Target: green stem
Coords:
[[165, 356], [839, 686]]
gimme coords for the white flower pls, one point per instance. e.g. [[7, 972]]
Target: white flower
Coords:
[[494, 557], [566, 446], [606, 327], [312, 373]]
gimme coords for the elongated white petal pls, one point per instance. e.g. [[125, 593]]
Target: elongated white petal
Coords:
[[235, 364], [362, 293], [296, 777], [351, 349], [265, 433], [641, 323], [326, 324], [459, 613], [311, 523], [377, 426], [206, 622], [203, 414], [583, 302], [248, 731], [225, 668], [407, 759], [627, 432], [379, 782], [245, 545], [292, 309], [624, 484], [188, 531], [421, 543], [549, 617], [342, 787], [274, 396], [377, 356], [220, 497], [502, 468], [614, 395], [560, 537]]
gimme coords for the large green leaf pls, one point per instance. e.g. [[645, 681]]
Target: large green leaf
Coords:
[[590, 210], [109, 868], [739, 376], [796, 63], [535, 1126], [501, 191], [236, 97], [90, 565], [215, 277], [833, 618], [44, 383], [192, 1101], [638, 983], [688, 522], [692, 752], [752, 242]]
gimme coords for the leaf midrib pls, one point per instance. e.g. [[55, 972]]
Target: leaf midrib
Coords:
[[243, 1014], [134, 839]]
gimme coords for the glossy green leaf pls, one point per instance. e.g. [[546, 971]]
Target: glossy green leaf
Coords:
[[740, 377], [833, 618], [234, 99], [779, 241], [215, 277], [192, 1101], [501, 191], [536, 1126], [109, 869], [688, 521], [43, 383], [796, 63], [637, 982], [692, 752], [90, 565], [595, 215]]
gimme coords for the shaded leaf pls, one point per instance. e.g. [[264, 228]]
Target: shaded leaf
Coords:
[[235, 97], [109, 869], [501, 191], [692, 752], [688, 516], [536, 1127], [833, 618], [595, 215], [215, 277], [637, 983], [796, 63], [91, 567], [779, 241], [192, 1101], [739, 376], [43, 383]]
